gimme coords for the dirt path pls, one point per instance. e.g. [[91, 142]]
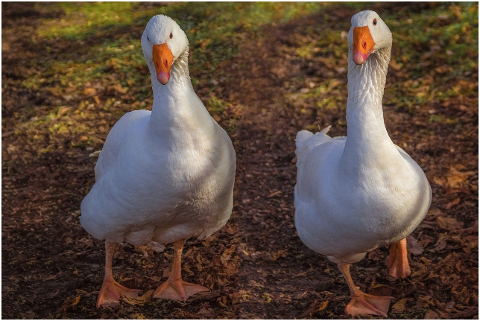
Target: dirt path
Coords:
[[256, 266]]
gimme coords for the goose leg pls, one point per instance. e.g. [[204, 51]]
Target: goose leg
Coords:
[[111, 291], [363, 303], [398, 260], [175, 288]]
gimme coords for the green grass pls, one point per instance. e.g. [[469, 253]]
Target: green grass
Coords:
[[449, 33], [215, 29], [98, 44]]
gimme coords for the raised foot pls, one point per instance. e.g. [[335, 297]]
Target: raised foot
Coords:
[[177, 290], [112, 291], [363, 303], [397, 262]]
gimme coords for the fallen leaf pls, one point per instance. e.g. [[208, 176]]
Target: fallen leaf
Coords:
[[439, 180], [434, 212], [75, 301], [416, 248], [430, 314], [449, 222], [276, 255], [441, 242], [275, 194], [450, 305], [90, 92], [118, 88], [141, 300], [395, 65], [399, 307], [449, 205], [455, 177], [323, 305], [68, 303]]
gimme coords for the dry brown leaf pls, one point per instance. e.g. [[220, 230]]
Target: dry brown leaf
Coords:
[[399, 307], [204, 43], [395, 65], [276, 255], [434, 212], [141, 300], [449, 205], [230, 229], [198, 257], [430, 314], [441, 242], [421, 270], [450, 305], [439, 180], [68, 303], [416, 248], [448, 222], [118, 88], [216, 260], [455, 177], [90, 92], [323, 305], [222, 301], [75, 301], [470, 242], [275, 194]]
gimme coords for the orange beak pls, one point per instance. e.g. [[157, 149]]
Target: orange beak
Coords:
[[362, 44], [163, 58]]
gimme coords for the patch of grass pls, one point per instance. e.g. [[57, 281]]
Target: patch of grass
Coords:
[[450, 32], [93, 52], [84, 19], [214, 29], [435, 48], [215, 105]]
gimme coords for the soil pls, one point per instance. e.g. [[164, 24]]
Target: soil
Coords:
[[256, 266]]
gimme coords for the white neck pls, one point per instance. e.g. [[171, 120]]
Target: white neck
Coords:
[[367, 142], [176, 107]]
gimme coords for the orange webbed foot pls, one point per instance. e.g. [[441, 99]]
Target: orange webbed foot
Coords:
[[363, 303], [111, 293], [177, 290]]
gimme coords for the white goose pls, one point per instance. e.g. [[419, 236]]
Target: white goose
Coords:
[[164, 175], [356, 193]]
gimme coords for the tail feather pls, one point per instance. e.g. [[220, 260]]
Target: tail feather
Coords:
[[306, 140]]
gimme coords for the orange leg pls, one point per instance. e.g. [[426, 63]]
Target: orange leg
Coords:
[[398, 260], [363, 303], [111, 291], [175, 288]]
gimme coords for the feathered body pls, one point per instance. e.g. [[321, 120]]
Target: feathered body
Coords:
[[358, 192], [167, 174]]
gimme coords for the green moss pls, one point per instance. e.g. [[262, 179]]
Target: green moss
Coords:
[[215, 106]]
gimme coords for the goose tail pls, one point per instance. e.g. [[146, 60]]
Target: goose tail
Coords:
[[306, 140]]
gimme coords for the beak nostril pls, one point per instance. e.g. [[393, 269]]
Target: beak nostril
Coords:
[[166, 63], [364, 45]]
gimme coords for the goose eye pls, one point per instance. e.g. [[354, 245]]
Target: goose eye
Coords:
[[374, 22], [171, 35]]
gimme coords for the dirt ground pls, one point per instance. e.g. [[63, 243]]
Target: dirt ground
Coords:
[[256, 266]]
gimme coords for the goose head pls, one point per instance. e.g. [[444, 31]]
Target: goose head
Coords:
[[367, 34], [163, 41]]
